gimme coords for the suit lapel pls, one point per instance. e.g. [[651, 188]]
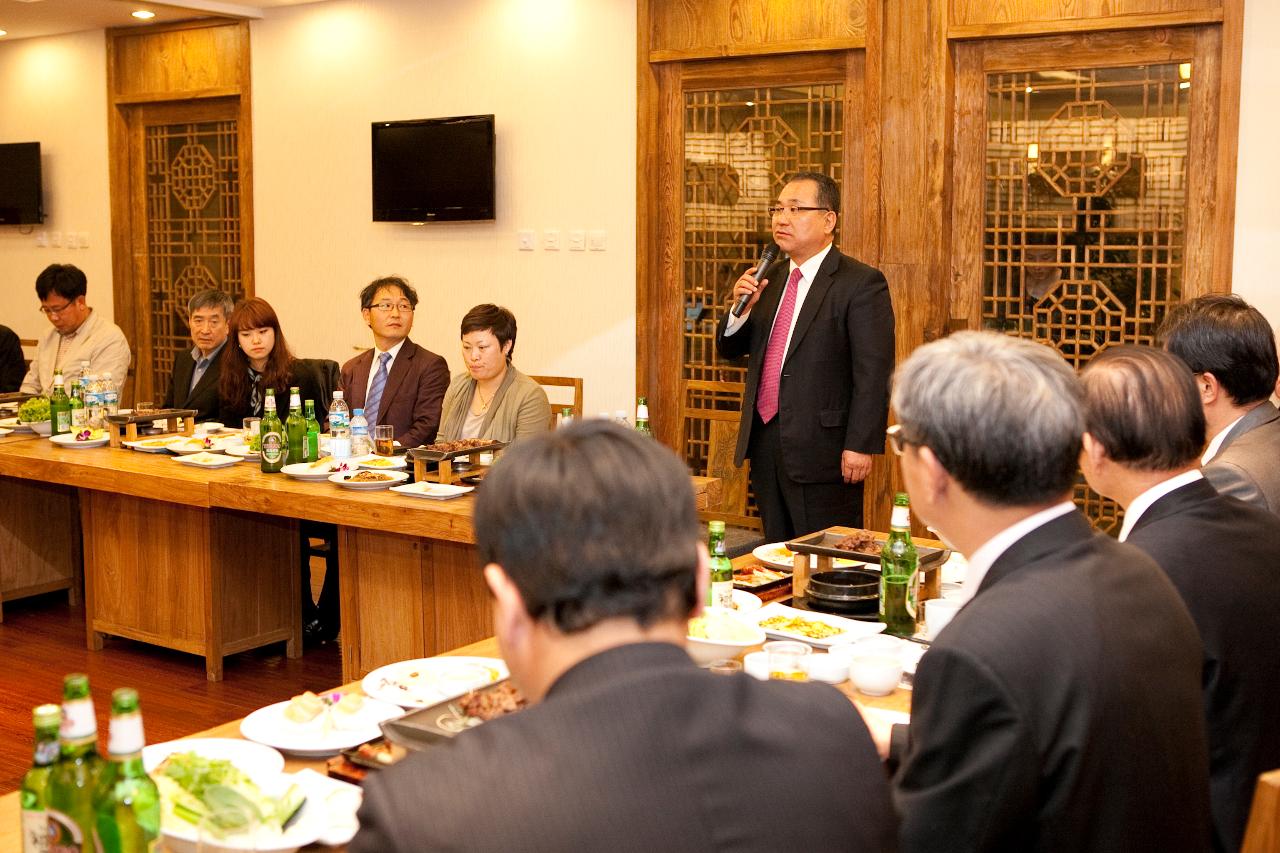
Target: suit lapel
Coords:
[[1255, 418], [399, 369], [359, 380], [813, 299], [1046, 540], [210, 376]]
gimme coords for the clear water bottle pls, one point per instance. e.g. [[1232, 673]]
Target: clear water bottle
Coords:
[[93, 400], [110, 394], [339, 427], [360, 435]]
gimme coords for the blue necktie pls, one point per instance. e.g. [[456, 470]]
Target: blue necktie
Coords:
[[374, 400]]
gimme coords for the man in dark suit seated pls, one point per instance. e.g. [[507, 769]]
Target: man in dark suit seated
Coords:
[[405, 388], [1145, 432], [1060, 708], [13, 365], [1231, 349], [592, 549], [194, 381]]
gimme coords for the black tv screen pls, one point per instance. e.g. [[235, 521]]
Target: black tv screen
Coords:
[[433, 170], [21, 201]]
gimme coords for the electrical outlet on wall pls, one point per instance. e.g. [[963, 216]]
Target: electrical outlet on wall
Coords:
[[598, 240], [577, 240], [551, 240], [525, 240]]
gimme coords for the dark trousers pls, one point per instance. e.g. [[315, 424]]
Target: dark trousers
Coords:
[[790, 509], [327, 609]]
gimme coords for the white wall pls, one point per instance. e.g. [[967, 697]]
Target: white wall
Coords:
[[560, 77], [1256, 274], [54, 91]]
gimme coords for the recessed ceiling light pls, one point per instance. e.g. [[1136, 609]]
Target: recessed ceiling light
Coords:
[[143, 14], [3, 33]]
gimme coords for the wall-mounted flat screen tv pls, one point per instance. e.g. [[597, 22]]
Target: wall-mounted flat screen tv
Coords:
[[433, 170], [21, 200]]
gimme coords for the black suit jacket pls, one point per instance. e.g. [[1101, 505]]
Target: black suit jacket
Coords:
[[412, 397], [316, 378], [1059, 711], [636, 749], [204, 397], [13, 365], [1224, 557], [834, 391]]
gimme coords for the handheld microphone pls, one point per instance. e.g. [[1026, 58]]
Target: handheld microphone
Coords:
[[767, 257]]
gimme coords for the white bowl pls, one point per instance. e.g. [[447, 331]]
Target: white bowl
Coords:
[[876, 674], [756, 665], [209, 426], [831, 668], [41, 427], [706, 652], [880, 644]]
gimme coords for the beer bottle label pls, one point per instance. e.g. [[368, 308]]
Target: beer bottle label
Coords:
[[272, 447], [35, 831], [64, 421], [65, 835], [722, 594]]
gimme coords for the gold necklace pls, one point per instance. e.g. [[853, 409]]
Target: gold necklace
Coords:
[[484, 404]]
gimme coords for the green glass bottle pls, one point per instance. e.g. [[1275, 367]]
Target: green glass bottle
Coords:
[[275, 443], [720, 590], [127, 802], [899, 578], [59, 407], [642, 417], [295, 430], [79, 414], [35, 820], [313, 432], [69, 797]]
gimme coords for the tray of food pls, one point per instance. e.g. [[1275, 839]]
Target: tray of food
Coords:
[[442, 450], [757, 577], [426, 726], [14, 397], [376, 754], [146, 416], [846, 543]]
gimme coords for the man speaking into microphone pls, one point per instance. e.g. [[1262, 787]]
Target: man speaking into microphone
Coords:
[[818, 328]]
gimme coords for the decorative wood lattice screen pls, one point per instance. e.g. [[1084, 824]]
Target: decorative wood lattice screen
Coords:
[[193, 227], [740, 145], [1085, 206]]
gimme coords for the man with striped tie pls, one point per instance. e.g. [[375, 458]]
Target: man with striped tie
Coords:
[[821, 347], [397, 382]]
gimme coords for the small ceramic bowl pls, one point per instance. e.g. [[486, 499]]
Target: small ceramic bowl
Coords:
[[876, 674]]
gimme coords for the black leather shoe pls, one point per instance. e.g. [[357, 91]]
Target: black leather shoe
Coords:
[[314, 633]]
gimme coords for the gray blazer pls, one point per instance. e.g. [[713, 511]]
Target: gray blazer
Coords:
[[1248, 462], [519, 408]]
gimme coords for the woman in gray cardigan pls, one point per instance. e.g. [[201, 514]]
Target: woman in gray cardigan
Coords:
[[491, 399]]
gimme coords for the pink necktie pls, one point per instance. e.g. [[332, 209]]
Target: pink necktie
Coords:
[[767, 396]]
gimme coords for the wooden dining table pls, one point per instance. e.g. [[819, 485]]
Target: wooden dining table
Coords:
[[898, 701]]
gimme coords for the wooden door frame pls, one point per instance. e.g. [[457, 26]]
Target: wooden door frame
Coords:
[[1210, 181]]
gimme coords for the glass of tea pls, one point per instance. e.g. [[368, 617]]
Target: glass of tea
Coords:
[[787, 659], [384, 440]]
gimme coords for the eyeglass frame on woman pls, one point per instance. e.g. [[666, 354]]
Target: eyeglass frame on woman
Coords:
[[898, 440]]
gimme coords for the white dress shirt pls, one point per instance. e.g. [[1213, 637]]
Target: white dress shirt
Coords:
[[981, 560], [1144, 501], [98, 342], [373, 368], [808, 270], [1216, 445]]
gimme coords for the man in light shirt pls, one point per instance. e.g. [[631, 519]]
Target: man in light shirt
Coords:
[[1060, 708], [1231, 349], [1145, 430], [78, 334]]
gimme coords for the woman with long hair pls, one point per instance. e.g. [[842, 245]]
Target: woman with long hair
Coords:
[[258, 361]]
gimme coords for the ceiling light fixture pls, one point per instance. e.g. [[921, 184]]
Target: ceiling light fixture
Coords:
[[3, 33], [144, 15]]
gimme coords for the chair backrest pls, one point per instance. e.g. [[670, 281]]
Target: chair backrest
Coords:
[[28, 344], [702, 421], [1262, 832], [555, 383]]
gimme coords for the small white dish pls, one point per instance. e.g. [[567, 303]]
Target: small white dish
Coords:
[[308, 471], [424, 682], [845, 630], [197, 444], [154, 445], [206, 460], [210, 427], [68, 439], [316, 739], [876, 674], [746, 602], [831, 668], [40, 427], [433, 491], [722, 621], [344, 480], [4, 431], [242, 451], [756, 665]]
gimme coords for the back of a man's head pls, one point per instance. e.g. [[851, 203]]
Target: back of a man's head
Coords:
[[1226, 336], [592, 522], [1142, 406], [1004, 416]]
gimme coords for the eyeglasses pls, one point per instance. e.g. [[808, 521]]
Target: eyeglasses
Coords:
[[897, 440], [791, 210], [54, 312], [385, 307]]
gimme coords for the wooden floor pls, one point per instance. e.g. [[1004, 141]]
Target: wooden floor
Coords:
[[42, 639]]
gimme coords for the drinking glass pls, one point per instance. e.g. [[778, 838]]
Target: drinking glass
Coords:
[[786, 660], [252, 432], [384, 440]]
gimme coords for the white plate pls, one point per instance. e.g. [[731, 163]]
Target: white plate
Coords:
[[375, 462], [68, 439], [147, 445], [241, 451], [778, 555], [4, 431], [428, 681], [270, 727], [851, 629], [434, 491], [314, 818], [253, 758], [195, 444], [304, 471], [206, 460], [746, 602], [12, 423], [343, 480]]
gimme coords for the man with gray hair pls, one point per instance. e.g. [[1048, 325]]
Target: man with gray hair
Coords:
[[1059, 710], [194, 381]]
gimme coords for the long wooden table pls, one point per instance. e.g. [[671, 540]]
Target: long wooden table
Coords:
[[899, 700], [206, 560]]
